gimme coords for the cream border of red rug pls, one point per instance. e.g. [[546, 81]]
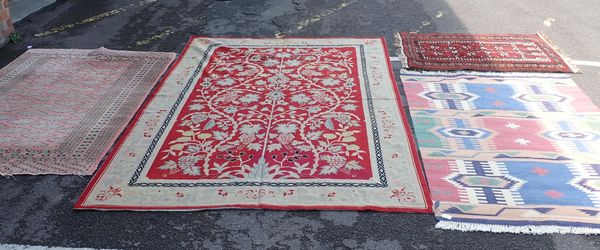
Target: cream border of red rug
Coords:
[[423, 196]]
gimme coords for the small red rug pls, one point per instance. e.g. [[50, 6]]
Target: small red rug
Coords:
[[506, 52], [268, 123]]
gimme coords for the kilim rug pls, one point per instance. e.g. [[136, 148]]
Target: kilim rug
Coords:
[[508, 153], [61, 110], [511, 52], [268, 123]]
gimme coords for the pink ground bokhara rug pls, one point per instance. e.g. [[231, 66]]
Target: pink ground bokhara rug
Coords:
[[268, 123], [61, 110]]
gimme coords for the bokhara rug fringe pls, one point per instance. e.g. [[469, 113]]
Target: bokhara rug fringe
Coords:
[[61, 110], [479, 52], [268, 123], [508, 152]]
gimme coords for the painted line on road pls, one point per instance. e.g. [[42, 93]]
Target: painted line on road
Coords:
[[586, 63], [158, 36], [428, 22], [316, 18], [94, 18]]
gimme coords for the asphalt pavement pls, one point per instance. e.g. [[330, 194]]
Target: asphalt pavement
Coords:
[[37, 210]]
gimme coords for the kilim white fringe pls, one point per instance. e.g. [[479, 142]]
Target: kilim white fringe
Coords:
[[485, 73], [529, 229]]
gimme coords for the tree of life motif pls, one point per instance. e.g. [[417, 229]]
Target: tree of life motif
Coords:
[[270, 113]]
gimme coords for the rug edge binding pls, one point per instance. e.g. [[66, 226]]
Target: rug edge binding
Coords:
[[525, 229]]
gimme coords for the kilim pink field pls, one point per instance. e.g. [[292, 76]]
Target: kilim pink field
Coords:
[[268, 123], [480, 52], [510, 152], [61, 110]]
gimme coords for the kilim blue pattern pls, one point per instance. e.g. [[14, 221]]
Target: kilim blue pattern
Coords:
[[505, 152]]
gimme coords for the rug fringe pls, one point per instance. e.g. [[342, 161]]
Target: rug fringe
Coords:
[[400, 50], [560, 52], [529, 229], [485, 73]]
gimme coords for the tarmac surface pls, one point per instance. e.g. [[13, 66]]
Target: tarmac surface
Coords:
[[22, 8], [37, 210]]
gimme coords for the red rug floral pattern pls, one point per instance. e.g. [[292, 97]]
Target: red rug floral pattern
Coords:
[[480, 52], [269, 123], [61, 110]]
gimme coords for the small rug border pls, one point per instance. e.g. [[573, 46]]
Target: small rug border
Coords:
[[566, 59]]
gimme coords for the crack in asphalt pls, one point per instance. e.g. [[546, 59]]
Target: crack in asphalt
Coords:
[[315, 18]]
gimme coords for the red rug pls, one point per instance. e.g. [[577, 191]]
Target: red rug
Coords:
[[510, 52], [269, 123]]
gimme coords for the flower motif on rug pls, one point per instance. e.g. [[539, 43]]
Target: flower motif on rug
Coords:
[[403, 195], [109, 193], [270, 123], [270, 113]]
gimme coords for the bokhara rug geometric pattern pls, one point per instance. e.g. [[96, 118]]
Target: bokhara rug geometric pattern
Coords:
[[480, 52], [506, 152], [268, 123], [61, 110]]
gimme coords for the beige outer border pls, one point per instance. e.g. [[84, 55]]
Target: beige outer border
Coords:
[[398, 156]]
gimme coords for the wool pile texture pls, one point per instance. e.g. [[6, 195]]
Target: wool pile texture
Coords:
[[479, 52]]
